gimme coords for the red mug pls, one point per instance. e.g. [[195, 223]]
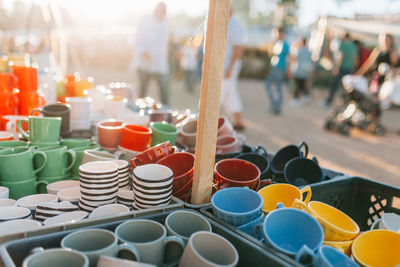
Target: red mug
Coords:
[[152, 155], [182, 165], [228, 144], [236, 173], [184, 190], [135, 137], [224, 126], [109, 133]]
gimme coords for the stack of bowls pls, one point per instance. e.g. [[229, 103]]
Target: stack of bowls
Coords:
[[48, 210], [123, 174], [125, 197], [14, 213], [98, 183], [152, 186]]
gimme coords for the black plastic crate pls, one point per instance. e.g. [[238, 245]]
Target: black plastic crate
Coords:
[[14, 252], [362, 199]]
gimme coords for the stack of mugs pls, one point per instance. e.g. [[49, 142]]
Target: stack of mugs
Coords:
[[123, 174], [98, 183], [152, 186]]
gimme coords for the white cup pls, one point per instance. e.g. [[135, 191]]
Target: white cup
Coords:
[[80, 112], [390, 221], [114, 107], [4, 192]]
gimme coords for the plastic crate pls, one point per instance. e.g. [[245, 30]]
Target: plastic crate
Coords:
[[362, 199], [175, 204], [13, 253], [208, 212]]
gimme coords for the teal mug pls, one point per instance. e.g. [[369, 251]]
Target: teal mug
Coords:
[[162, 132], [42, 130], [59, 161]]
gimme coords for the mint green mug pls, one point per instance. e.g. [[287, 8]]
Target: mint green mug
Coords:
[[23, 188], [79, 152], [162, 132], [59, 161], [8, 144], [75, 142], [42, 130], [17, 164]]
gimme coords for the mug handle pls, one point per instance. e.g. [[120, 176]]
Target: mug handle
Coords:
[[304, 144], [306, 189], [263, 183], [298, 204], [24, 134], [40, 110], [130, 249], [261, 151], [72, 154], [42, 154], [305, 256], [173, 240], [36, 250], [315, 160], [45, 183]]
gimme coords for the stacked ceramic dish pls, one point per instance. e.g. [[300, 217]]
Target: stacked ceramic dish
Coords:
[[125, 197], [123, 174], [98, 183], [152, 186], [14, 213], [48, 210]]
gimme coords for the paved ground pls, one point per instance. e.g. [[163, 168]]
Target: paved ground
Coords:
[[359, 154]]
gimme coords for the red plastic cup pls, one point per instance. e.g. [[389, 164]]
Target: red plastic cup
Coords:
[[135, 137]]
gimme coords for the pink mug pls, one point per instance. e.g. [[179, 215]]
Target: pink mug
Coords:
[[109, 133]]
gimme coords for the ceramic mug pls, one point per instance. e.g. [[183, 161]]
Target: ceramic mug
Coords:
[[337, 225], [342, 246], [390, 221], [152, 155], [293, 232], [162, 132], [12, 144], [109, 133], [285, 154], [92, 155], [209, 250], [377, 248], [135, 137], [75, 142], [17, 164], [151, 240], [224, 127], [12, 124], [98, 242], [228, 144], [56, 257], [57, 110], [80, 112], [23, 188], [4, 192], [184, 223], [284, 193], [6, 136], [327, 257], [251, 228], [302, 171], [188, 133], [28, 101], [237, 205], [260, 161], [79, 152], [42, 130], [59, 161]]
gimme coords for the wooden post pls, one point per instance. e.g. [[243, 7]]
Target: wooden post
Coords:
[[207, 126]]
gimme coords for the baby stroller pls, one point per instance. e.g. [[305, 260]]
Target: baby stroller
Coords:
[[360, 107]]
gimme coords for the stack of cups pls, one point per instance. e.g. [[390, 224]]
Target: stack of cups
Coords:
[[125, 197], [123, 174], [80, 112], [98, 183], [152, 186]]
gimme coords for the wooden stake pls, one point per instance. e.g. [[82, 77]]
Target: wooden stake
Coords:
[[207, 126]]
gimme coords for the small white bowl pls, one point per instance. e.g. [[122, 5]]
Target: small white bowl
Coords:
[[153, 184], [122, 164], [32, 201], [7, 202], [69, 217], [153, 196], [125, 194], [99, 203], [142, 202], [4, 192], [99, 167], [95, 177], [13, 213], [20, 225], [140, 206], [108, 210], [53, 188], [70, 194], [100, 198]]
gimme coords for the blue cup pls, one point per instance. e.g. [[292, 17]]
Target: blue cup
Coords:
[[237, 205], [252, 228], [329, 257], [293, 232]]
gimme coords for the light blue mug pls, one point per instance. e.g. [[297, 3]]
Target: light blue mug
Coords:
[[252, 228], [293, 232], [237, 205], [326, 257]]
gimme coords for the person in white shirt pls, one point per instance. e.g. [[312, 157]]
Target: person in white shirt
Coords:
[[151, 47], [230, 98], [188, 63]]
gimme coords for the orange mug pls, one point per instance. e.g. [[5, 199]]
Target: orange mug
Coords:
[[8, 81], [8, 103], [27, 78], [135, 137], [29, 101]]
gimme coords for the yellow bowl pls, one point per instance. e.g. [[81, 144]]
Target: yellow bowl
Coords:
[[342, 246], [377, 248], [285, 193]]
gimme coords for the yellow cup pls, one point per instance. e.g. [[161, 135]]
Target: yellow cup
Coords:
[[377, 248], [342, 246], [336, 224], [285, 193]]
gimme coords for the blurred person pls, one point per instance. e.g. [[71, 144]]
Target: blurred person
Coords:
[[151, 45], [363, 53], [189, 63], [230, 98], [303, 67], [279, 66], [344, 65]]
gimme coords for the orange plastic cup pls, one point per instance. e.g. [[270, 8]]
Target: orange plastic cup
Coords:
[[135, 137], [28, 101], [27, 78]]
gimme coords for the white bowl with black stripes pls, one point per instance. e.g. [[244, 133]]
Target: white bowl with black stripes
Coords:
[[48, 210], [14, 213], [98, 168]]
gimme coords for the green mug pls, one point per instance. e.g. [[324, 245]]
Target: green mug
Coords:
[[79, 152], [23, 188], [49, 180], [59, 161], [42, 130], [8, 144], [17, 164], [162, 132], [75, 142]]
